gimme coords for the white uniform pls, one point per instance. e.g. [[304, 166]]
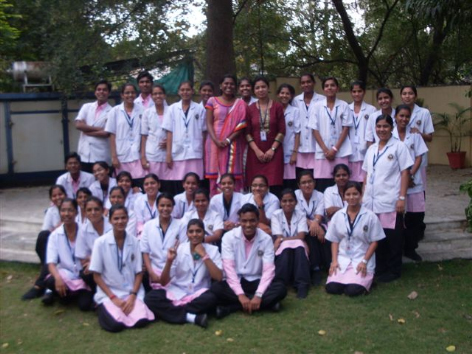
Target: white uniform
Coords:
[[370, 133], [51, 218], [250, 267], [292, 127], [217, 205], [189, 276], [353, 244], [98, 192], [129, 201], [281, 227], [155, 243], [212, 221], [314, 207], [330, 125], [151, 126], [383, 179], [149, 103], [358, 130], [132, 226], [61, 252], [65, 180], [92, 149], [270, 201], [118, 268], [181, 206], [332, 198], [86, 238], [421, 119], [127, 131], [143, 211], [187, 138], [307, 141]]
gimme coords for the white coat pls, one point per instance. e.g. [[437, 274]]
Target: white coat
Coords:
[[140, 102], [106, 261], [62, 253], [270, 201], [51, 218], [217, 205], [281, 227], [212, 221], [129, 201], [352, 249], [65, 180], [307, 141], [292, 127], [332, 198], [98, 192], [358, 130], [151, 127], [143, 211], [181, 206], [86, 238], [92, 149], [314, 207], [370, 132], [421, 119]]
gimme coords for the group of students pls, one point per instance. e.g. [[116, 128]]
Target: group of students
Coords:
[[329, 186]]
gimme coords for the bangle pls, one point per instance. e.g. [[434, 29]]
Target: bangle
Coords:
[[364, 261], [205, 257], [258, 294], [273, 149], [335, 148], [401, 197], [112, 296], [228, 140], [133, 293]]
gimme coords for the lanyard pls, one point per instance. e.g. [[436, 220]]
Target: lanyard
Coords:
[[352, 225], [163, 233], [71, 250], [227, 207], [263, 121], [194, 273], [285, 222], [151, 213], [309, 213], [333, 121], [358, 121], [119, 256], [129, 119], [186, 118], [379, 155]]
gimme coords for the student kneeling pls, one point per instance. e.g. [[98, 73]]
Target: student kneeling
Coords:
[[190, 269], [248, 262]]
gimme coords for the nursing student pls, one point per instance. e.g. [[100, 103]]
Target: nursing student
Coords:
[[415, 203], [248, 263], [117, 196], [245, 91], [206, 90], [289, 228], [124, 127], [145, 83], [187, 275], [185, 126], [354, 234], [360, 112], [334, 195], [305, 102], [93, 141], [81, 198], [384, 101], [184, 200], [116, 264], [125, 181], [331, 121], [74, 178], [101, 187], [291, 144], [387, 164], [145, 205], [64, 268]]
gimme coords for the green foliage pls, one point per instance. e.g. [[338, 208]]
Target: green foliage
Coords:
[[467, 188], [456, 125]]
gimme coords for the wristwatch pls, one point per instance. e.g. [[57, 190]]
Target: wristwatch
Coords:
[[364, 261], [401, 198], [261, 207], [273, 149]]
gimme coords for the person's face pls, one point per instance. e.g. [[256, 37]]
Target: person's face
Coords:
[[341, 177], [81, 199], [352, 197], [288, 203], [285, 96], [165, 207], [100, 173], [261, 89], [383, 130], [227, 186], [402, 118], [158, 96], [384, 100], [330, 88], [357, 94], [185, 92], [307, 84], [195, 235], [206, 92], [102, 93], [249, 223], [306, 184], [151, 186], [128, 95], [190, 185], [145, 85], [116, 197], [408, 96], [125, 183], [119, 220], [57, 196], [68, 213], [228, 87], [73, 166], [245, 89], [201, 202], [93, 211], [259, 186]]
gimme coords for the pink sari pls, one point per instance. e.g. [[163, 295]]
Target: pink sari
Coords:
[[226, 121]]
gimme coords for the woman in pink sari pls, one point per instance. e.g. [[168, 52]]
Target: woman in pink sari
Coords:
[[225, 144]]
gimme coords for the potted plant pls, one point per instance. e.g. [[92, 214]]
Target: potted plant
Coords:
[[457, 126]]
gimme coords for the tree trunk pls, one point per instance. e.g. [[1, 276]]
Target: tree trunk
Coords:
[[219, 50]]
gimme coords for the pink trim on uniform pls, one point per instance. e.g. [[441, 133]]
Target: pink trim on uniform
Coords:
[[248, 246], [232, 277], [157, 285], [72, 284], [133, 167], [350, 277], [289, 171], [160, 169], [181, 168], [268, 273], [306, 160], [415, 203], [140, 312], [357, 173], [291, 244], [388, 220], [324, 168], [186, 299]]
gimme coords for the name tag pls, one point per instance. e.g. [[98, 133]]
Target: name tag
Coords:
[[263, 136]]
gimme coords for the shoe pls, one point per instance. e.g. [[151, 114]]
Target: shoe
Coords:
[[302, 292], [316, 278], [202, 320], [276, 307], [33, 293], [222, 311], [387, 278], [414, 256], [48, 299]]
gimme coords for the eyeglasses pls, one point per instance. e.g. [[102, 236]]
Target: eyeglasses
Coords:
[[307, 182], [261, 185]]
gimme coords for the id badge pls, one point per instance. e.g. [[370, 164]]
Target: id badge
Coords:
[[131, 140], [187, 140], [356, 139], [263, 136], [371, 178]]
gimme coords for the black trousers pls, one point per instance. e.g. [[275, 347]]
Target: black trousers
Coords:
[[163, 308], [276, 190], [108, 323], [290, 183], [320, 253], [275, 292], [41, 247], [323, 183], [87, 167], [84, 297], [88, 279], [388, 255], [414, 230], [348, 289], [292, 266]]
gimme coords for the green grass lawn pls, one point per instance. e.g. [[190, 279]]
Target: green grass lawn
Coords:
[[440, 316]]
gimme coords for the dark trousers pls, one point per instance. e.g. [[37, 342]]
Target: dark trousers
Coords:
[[163, 308], [414, 230], [276, 190], [388, 255], [290, 183], [172, 187], [320, 253], [275, 292], [41, 246], [108, 323], [88, 279], [292, 265], [323, 183], [348, 289], [84, 297], [87, 167], [298, 170]]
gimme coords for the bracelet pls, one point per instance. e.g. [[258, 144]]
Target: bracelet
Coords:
[[401, 198], [273, 149], [258, 294], [112, 296], [206, 257], [228, 140], [335, 148], [133, 293]]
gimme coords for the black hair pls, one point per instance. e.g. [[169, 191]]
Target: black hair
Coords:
[[115, 208], [384, 90], [245, 78], [186, 82], [248, 208], [84, 190], [72, 155], [329, 78], [385, 117], [260, 78], [103, 82], [56, 186], [353, 184], [159, 86], [153, 176], [402, 106], [165, 195], [261, 176], [95, 200], [206, 83], [192, 174], [311, 76], [102, 164], [145, 74], [229, 76], [413, 88], [203, 191], [117, 188], [288, 191], [359, 83], [304, 173], [124, 174], [124, 86], [290, 88], [70, 200], [197, 222], [341, 166], [228, 175]]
